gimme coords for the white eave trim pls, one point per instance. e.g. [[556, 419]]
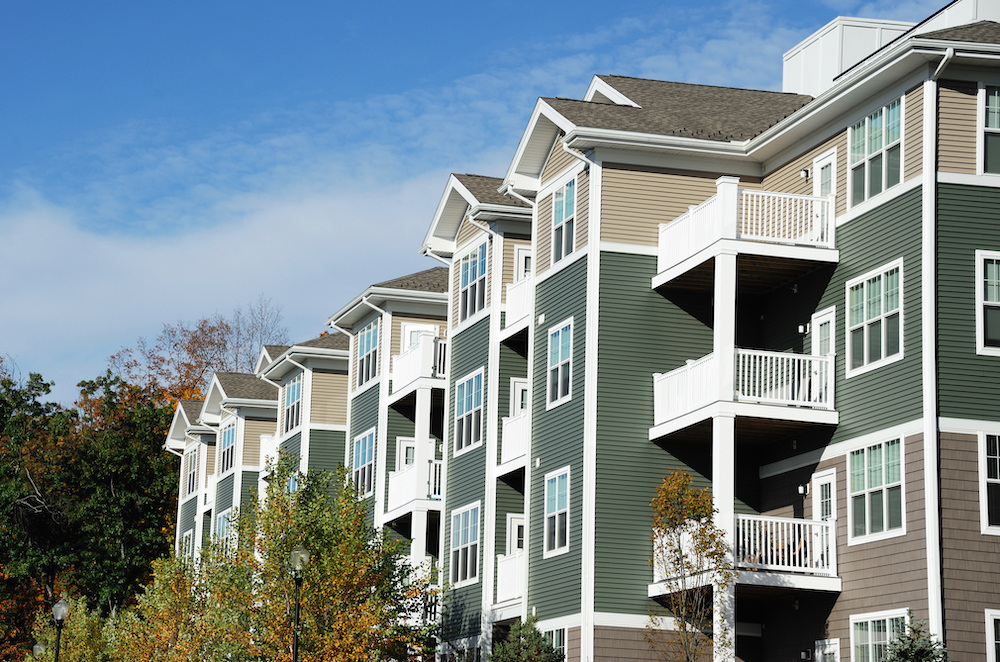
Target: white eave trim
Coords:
[[303, 353], [541, 110], [584, 138], [602, 87], [379, 295], [248, 402]]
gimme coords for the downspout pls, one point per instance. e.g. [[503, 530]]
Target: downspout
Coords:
[[485, 228], [368, 303], [948, 55], [511, 192], [431, 254], [171, 450], [576, 154]]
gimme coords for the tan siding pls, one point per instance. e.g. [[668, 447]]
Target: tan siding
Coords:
[[573, 644], [957, 127], [509, 246], [913, 137], [634, 202], [618, 643], [328, 398], [582, 210], [558, 161], [543, 218], [467, 232], [397, 329], [210, 459], [253, 429], [787, 178]]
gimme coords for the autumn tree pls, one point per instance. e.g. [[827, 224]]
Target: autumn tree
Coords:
[[525, 643], [692, 556]]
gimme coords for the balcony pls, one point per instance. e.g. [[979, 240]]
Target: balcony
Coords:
[[510, 575], [514, 439], [425, 359], [783, 385], [417, 482], [762, 223], [518, 302]]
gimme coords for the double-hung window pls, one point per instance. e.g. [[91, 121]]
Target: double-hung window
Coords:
[[469, 411], [558, 640], [465, 545], [563, 220], [876, 152], [292, 406], [875, 318], [876, 478], [368, 353], [224, 529], [989, 482], [871, 634], [560, 363], [988, 302], [557, 512], [472, 290], [187, 545], [991, 130], [228, 448], [191, 471], [363, 463]]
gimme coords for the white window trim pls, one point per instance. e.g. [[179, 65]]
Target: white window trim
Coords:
[[551, 404], [513, 519], [557, 551], [401, 444], [373, 462], [234, 424], [455, 451], [374, 350], [981, 348], [477, 505], [473, 254], [984, 511], [981, 129], [875, 616], [226, 538], [406, 328], [294, 406], [884, 149], [991, 654], [191, 472], [520, 253], [187, 545], [552, 226], [885, 360], [888, 533], [550, 636]]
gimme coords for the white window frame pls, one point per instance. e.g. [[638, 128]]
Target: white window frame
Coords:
[[291, 413], [870, 154], [402, 443], [363, 463], [515, 520], [868, 490], [469, 413], [224, 528], [984, 481], [472, 270], [867, 365], [820, 478], [227, 451], [563, 225], [552, 521], [562, 363], [367, 340], [472, 543], [870, 618], [992, 636], [557, 638], [981, 346], [824, 646], [407, 328], [186, 551], [523, 259], [982, 130], [191, 471]]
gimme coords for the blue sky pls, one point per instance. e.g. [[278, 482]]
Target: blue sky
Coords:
[[166, 161]]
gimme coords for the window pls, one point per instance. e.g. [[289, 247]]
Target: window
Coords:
[[988, 302], [472, 293], [989, 482], [187, 545], [228, 447], [364, 464], [191, 471], [828, 650], [876, 152], [557, 512], [292, 404], [368, 353], [563, 220], [875, 319], [876, 490], [558, 640], [993, 635], [224, 532], [871, 634], [560, 362], [991, 130], [469, 411], [465, 545]]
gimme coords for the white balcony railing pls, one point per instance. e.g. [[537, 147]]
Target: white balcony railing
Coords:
[[514, 441], [426, 358], [510, 569], [518, 301], [414, 482], [778, 378], [751, 215]]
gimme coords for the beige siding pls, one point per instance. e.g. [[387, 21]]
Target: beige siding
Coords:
[[620, 643], [634, 202], [468, 232], [558, 161], [328, 398], [913, 129], [582, 208], [787, 178], [957, 127], [509, 246], [253, 429], [210, 462], [543, 230], [397, 329]]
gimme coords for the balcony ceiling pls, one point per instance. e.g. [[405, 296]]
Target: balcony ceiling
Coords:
[[755, 274]]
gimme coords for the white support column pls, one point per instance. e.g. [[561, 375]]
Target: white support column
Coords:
[[724, 337], [724, 493], [418, 537], [727, 197]]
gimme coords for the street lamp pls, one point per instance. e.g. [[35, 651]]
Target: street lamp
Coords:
[[37, 650], [299, 559], [59, 612]]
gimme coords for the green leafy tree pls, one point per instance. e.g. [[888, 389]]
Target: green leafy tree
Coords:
[[83, 636], [525, 643], [915, 644]]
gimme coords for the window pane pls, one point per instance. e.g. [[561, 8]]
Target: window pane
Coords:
[[894, 506], [857, 348], [550, 496], [857, 471], [991, 281], [563, 491], [892, 462], [993, 503], [558, 213], [892, 290], [892, 122], [991, 334], [570, 198], [875, 466], [892, 335], [874, 132], [875, 512], [858, 513], [992, 146], [875, 175], [857, 142], [564, 343], [554, 349], [873, 299], [858, 184], [993, 107], [892, 166]]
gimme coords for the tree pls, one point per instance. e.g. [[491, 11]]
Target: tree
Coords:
[[915, 644], [692, 556], [525, 643], [183, 357]]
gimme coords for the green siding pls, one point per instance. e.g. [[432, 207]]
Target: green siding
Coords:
[[509, 500], [364, 411], [224, 493], [188, 510], [206, 528], [292, 445], [249, 491], [512, 364], [557, 441], [397, 425], [326, 449], [967, 221]]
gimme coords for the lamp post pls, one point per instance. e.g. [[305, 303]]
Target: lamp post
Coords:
[[299, 559], [37, 650], [59, 612]]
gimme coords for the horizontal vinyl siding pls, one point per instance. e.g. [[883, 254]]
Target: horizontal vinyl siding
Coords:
[[512, 365], [248, 498], [209, 461], [509, 501], [913, 133], [292, 445], [557, 162], [224, 493], [397, 329], [186, 516], [326, 450], [510, 244], [328, 399], [967, 221], [397, 425], [543, 235], [467, 232], [641, 333], [788, 178], [557, 441], [364, 412], [957, 126], [253, 429], [581, 210]]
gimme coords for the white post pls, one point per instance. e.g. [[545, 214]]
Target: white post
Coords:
[[728, 201], [724, 338], [724, 493]]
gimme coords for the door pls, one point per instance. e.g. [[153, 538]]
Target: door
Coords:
[[406, 453], [518, 396], [522, 262], [515, 533], [824, 509], [825, 185], [822, 337], [411, 333]]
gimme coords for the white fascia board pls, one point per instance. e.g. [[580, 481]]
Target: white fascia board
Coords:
[[232, 403], [378, 296], [178, 426], [213, 400], [489, 212], [587, 138], [602, 87], [536, 130], [297, 354], [447, 217]]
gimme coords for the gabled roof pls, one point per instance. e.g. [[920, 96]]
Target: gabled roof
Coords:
[[477, 196], [268, 353], [191, 409], [434, 279], [428, 289], [486, 190], [983, 32], [327, 341], [185, 417], [243, 386], [327, 348]]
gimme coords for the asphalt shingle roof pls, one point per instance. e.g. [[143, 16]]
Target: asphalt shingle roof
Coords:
[[329, 341], [274, 351], [485, 190], [243, 385], [434, 279], [684, 109], [192, 408], [983, 32]]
